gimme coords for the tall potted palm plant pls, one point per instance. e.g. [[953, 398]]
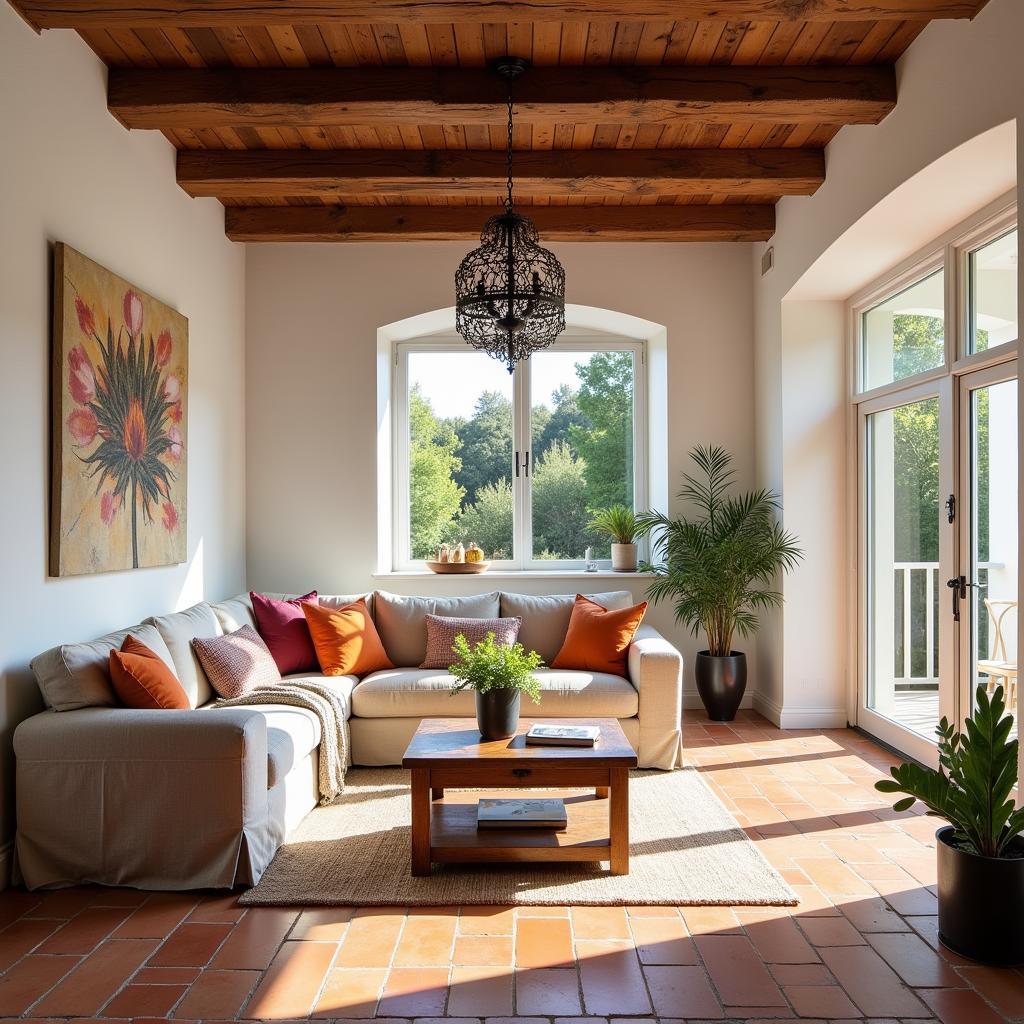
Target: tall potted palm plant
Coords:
[[719, 568]]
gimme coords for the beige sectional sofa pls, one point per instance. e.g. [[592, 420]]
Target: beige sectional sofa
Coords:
[[203, 798]]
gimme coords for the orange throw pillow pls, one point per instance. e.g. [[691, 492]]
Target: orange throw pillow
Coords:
[[346, 640], [142, 680], [598, 638]]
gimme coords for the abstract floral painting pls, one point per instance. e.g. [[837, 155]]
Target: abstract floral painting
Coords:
[[120, 408]]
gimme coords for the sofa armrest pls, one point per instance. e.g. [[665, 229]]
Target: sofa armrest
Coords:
[[656, 670], [151, 799], [128, 734]]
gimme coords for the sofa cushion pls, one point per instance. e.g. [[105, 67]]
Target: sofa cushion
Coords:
[[78, 675], [412, 693], [343, 600], [546, 619], [234, 612], [292, 733], [402, 621], [178, 630]]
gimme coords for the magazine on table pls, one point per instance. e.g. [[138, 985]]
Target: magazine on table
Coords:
[[563, 735], [529, 813]]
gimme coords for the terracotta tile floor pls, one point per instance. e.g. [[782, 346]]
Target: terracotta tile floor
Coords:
[[861, 945]]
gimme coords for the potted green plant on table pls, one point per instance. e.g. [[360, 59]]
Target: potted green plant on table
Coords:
[[499, 675], [719, 568], [619, 524], [981, 851]]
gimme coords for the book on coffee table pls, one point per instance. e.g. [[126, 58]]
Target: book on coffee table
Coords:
[[563, 735], [533, 813]]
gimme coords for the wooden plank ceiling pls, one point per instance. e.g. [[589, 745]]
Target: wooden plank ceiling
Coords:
[[333, 120]]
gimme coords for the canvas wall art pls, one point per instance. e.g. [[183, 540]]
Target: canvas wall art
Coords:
[[120, 409]]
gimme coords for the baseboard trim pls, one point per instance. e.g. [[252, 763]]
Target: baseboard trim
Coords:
[[799, 718]]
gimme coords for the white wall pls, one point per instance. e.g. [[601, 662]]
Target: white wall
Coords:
[[312, 317], [69, 172], [958, 80]]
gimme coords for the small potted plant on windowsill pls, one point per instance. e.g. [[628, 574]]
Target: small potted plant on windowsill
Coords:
[[719, 568], [618, 523], [499, 675], [981, 851]]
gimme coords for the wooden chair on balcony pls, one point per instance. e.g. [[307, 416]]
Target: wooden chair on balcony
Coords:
[[1000, 667]]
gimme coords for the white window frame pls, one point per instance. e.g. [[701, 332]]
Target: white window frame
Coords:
[[522, 541], [951, 253]]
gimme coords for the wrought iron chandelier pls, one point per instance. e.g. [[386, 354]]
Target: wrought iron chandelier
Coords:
[[510, 292]]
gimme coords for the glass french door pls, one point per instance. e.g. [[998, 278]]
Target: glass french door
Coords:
[[907, 555], [985, 589], [939, 554]]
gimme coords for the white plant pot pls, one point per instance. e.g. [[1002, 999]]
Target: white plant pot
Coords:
[[624, 557]]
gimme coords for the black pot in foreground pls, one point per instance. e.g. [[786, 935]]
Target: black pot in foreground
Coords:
[[497, 713], [981, 903], [721, 682]]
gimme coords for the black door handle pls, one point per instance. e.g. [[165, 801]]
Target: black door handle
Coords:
[[959, 585]]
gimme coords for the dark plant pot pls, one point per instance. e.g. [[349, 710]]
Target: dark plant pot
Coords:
[[497, 713], [721, 682], [981, 903]]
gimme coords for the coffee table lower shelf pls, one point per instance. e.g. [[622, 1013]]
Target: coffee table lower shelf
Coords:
[[445, 831]]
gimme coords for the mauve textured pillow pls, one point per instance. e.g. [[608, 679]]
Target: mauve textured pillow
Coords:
[[285, 631], [237, 663], [443, 629]]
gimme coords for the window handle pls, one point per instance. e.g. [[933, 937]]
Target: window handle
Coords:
[[517, 464], [526, 464]]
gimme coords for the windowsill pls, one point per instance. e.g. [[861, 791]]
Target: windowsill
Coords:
[[515, 574]]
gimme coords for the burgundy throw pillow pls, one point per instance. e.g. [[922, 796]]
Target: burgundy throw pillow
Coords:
[[285, 632], [443, 629]]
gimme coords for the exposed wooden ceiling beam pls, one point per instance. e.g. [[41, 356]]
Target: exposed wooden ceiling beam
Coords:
[[185, 98], [724, 223], [194, 13], [234, 174]]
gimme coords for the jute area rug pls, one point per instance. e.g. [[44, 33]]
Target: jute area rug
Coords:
[[686, 849]]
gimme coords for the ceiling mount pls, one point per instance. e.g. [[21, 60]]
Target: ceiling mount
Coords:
[[510, 67]]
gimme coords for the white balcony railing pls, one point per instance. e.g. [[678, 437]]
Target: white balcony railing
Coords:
[[917, 597]]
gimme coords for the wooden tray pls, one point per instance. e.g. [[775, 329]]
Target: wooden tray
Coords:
[[456, 568]]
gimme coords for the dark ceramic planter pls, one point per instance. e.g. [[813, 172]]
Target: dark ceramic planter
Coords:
[[497, 713], [721, 682], [981, 903]]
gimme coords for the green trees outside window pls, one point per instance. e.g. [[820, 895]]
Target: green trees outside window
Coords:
[[461, 468]]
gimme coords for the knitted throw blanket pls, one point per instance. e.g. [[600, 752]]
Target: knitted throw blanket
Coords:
[[327, 704]]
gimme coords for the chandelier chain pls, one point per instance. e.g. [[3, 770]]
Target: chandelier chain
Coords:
[[508, 151]]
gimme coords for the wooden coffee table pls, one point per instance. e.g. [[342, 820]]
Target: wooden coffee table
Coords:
[[448, 753]]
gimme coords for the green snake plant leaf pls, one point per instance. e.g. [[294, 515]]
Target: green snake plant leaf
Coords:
[[972, 788]]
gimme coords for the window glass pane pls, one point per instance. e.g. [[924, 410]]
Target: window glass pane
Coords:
[[460, 453], [904, 335], [582, 446], [993, 276], [994, 539], [903, 565]]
